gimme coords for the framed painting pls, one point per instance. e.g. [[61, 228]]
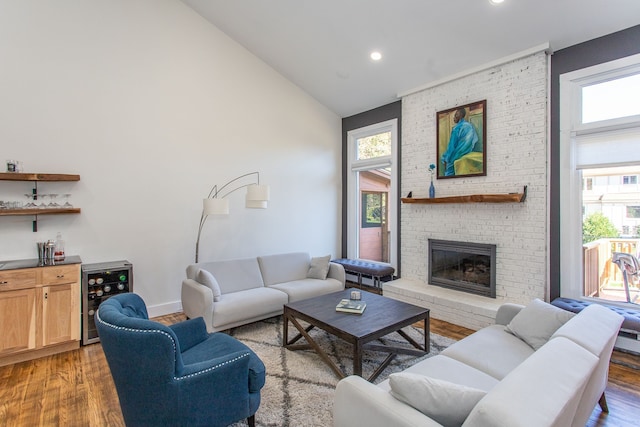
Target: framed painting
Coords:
[[462, 141]]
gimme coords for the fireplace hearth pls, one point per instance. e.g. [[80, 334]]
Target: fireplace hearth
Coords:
[[463, 266]]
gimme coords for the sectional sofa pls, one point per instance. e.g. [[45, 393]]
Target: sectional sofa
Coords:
[[234, 292], [537, 366]]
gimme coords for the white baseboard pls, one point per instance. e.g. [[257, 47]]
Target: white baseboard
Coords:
[[163, 309]]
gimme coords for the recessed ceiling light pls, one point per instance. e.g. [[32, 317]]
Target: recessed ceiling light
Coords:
[[376, 56], [496, 1]]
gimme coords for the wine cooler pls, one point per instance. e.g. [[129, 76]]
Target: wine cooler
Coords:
[[101, 281]]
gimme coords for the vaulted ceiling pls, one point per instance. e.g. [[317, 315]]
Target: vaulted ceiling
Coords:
[[323, 46]]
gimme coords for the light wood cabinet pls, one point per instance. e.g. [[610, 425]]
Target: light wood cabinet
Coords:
[[17, 321], [39, 312]]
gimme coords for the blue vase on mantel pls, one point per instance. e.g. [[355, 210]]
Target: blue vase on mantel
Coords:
[[432, 191]]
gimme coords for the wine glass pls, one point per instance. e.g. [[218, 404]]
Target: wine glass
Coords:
[[52, 204], [43, 204], [30, 204], [67, 205]]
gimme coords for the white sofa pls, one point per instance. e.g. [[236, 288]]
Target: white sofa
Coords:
[[235, 292], [495, 378]]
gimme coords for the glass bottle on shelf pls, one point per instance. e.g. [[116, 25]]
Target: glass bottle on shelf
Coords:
[[58, 254]]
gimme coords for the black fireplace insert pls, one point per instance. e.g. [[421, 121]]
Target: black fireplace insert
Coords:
[[463, 266]]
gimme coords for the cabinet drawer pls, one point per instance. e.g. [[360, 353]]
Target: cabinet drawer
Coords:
[[55, 275], [17, 279]]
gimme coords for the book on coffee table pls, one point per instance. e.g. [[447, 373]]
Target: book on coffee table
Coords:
[[350, 306]]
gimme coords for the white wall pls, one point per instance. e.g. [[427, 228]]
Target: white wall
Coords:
[[516, 95], [151, 106]]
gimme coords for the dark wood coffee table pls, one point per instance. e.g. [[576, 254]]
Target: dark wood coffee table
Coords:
[[381, 317]]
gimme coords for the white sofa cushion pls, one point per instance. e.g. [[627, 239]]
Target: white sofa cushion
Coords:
[[284, 267], [308, 288], [543, 391], [451, 370], [445, 402], [601, 323], [535, 323], [247, 306], [490, 350], [319, 267], [209, 281], [232, 275], [357, 402]]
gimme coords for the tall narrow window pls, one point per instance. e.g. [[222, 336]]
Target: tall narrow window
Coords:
[[600, 133], [370, 186]]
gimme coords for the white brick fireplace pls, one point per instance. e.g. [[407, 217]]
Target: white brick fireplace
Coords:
[[516, 113]]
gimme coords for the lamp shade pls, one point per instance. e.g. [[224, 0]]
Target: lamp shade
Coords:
[[257, 196], [255, 204], [215, 206], [258, 192]]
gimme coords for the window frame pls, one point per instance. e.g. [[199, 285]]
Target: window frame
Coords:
[[354, 204], [571, 182]]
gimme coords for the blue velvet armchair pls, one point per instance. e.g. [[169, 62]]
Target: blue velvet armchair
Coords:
[[176, 375]]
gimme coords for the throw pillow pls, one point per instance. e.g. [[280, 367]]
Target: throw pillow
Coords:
[[535, 323], [447, 403], [208, 280], [319, 267]]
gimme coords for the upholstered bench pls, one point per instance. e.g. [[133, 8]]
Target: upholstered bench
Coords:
[[631, 317], [376, 270]]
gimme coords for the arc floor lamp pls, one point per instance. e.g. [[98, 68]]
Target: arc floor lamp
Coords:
[[217, 204]]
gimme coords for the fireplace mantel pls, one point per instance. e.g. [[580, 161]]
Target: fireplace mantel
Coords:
[[473, 198]]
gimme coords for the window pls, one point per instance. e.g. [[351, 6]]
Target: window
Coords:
[[372, 209], [633, 212], [373, 146], [371, 184], [611, 99], [599, 134]]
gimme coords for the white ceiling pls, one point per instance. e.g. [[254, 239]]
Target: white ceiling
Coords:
[[323, 46]]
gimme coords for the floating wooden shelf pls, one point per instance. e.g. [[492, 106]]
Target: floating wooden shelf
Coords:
[[35, 178], [48, 211], [16, 176], [473, 198]]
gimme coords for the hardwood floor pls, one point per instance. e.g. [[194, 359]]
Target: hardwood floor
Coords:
[[76, 389]]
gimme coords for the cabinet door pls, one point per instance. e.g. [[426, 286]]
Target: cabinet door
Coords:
[[60, 313], [17, 321]]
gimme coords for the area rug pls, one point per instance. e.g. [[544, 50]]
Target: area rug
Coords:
[[299, 387]]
